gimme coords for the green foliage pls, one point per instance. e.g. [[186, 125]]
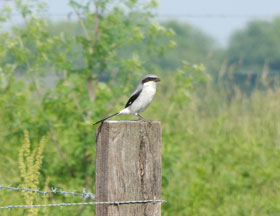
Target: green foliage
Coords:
[[87, 69], [219, 158]]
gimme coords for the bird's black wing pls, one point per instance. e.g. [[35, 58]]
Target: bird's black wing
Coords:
[[133, 98]]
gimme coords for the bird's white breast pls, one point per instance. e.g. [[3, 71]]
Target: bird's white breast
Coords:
[[145, 98]]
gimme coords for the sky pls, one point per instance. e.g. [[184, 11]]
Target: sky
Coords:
[[218, 18]]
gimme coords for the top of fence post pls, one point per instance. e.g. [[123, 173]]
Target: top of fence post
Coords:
[[128, 167]]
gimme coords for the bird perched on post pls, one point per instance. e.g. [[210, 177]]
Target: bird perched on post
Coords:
[[140, 98]]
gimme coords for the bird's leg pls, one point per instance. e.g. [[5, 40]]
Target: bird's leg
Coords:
[[139, 116], [142, 119]]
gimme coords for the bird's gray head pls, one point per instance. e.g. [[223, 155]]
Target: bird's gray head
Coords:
[[149, 78]]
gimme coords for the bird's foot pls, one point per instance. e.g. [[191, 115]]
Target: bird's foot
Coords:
[[143, 120]]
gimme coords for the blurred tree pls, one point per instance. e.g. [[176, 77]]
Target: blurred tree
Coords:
[[188, 44], [256, 48]]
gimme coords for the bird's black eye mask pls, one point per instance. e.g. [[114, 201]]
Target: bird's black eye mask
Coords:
[[150, 79]]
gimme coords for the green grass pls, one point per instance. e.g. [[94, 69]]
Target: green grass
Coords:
[[223, 159], [219, 157]]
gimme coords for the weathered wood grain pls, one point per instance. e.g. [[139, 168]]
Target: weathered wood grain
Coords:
[[128, 167]]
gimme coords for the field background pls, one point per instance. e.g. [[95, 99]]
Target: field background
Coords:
[[219, 107]]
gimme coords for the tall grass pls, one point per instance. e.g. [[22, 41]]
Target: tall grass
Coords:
[[220, 157]]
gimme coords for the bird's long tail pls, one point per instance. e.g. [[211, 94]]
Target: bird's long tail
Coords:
[[102, 120]]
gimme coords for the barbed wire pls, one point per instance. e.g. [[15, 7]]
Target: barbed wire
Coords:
[[84, 194], [222, 16], [187, 15], [85, 203]]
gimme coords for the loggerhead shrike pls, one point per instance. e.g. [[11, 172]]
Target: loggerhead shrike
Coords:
[[140, 98]]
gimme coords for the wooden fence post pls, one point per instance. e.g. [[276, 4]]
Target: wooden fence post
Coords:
[[128, 167]]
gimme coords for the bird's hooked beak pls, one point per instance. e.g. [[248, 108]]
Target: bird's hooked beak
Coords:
[[157, 79]]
